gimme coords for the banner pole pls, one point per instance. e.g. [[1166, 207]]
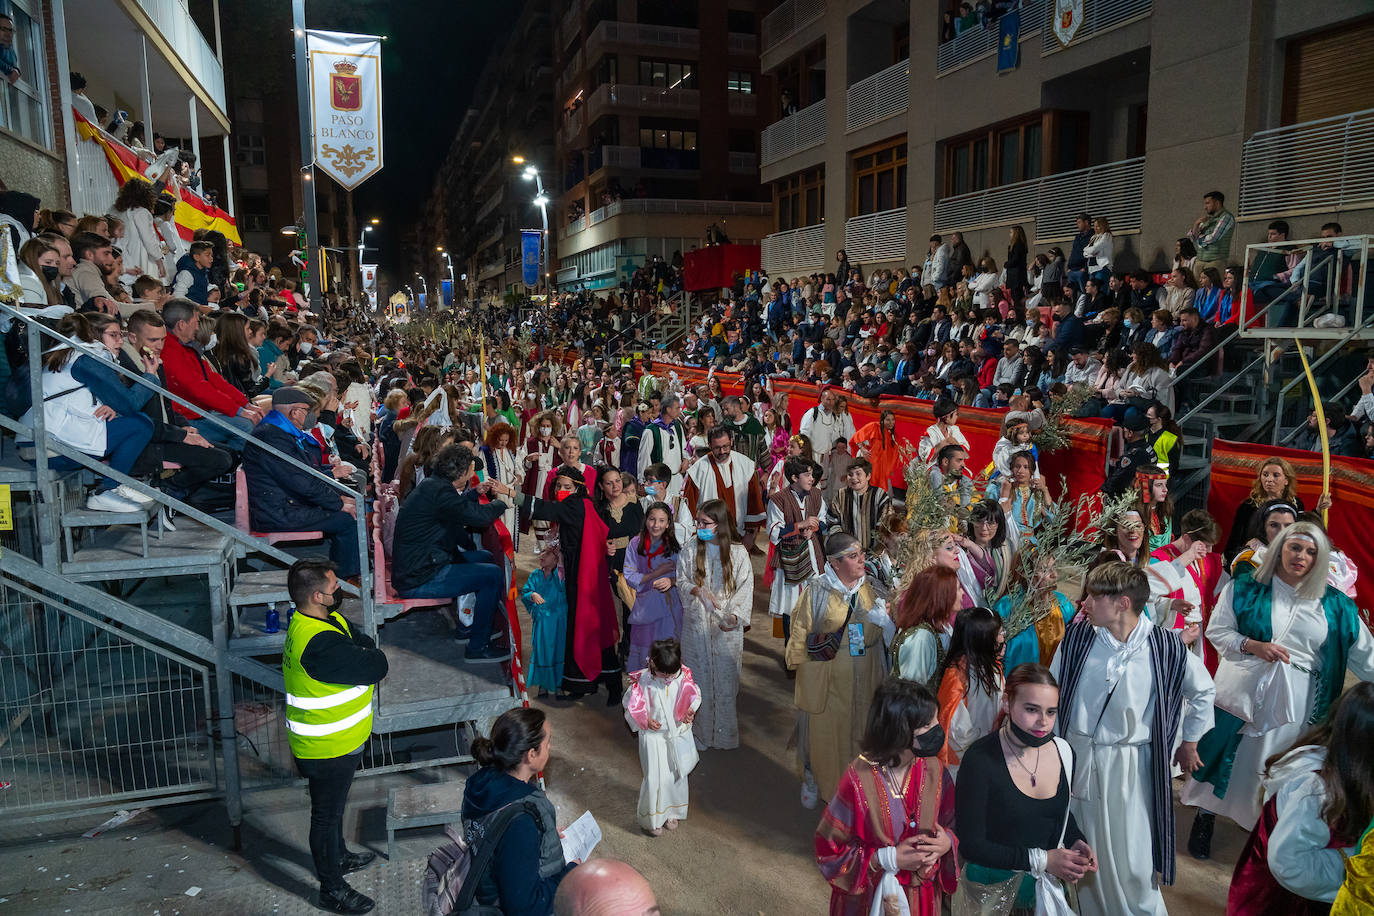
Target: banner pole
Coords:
[[312, 233], [1321, 428]]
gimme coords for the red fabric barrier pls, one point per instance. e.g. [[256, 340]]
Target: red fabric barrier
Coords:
[[715, 267], [1236, 464], [1083, 464]]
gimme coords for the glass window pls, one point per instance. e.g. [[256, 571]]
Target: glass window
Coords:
[[980, 165], [901, 185], [740, 81], [1008, 156], [866, 190], [23, 108], [886, 186], [689, 139], [813, 206], [959, 181], [646, 136], [1031, 152]]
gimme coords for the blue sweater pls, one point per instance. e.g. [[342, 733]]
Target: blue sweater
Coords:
[[105, 384]]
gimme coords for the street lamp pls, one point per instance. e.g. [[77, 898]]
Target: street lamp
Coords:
[[541, 201]]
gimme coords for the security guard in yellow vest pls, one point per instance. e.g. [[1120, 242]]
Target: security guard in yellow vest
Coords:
[[330, 669]]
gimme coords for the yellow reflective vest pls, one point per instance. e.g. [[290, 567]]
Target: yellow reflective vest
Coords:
[[322, 720]]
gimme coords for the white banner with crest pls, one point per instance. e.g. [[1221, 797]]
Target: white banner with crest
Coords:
[[346, 104]]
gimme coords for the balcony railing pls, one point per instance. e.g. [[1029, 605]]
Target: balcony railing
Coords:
[[1098, 16], [743, 43], [879, 96], [1112, 190], [745, 104], [744, 164], [670, 206], [877, 236], [796, 251], [174, 21], [611, 33], [572, 126], [789, 18], [793, 134], [491, 204], [977, 42], [567, 26], [656, 98], [1314, 166], [569, 72]]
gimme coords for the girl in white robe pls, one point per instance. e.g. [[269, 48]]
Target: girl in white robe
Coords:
[[716, 604], [660, 705]]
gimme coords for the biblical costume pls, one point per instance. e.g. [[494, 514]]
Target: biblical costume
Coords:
[[541, 455], [858, 513], [983, 572], [1121, 707], [1033, 632], [1324, 637], [1025, 506], [503, 465], [715, 654], [1291, 865], [833, 695], [735, 482], [967, 712], [664, 443], [869, 813], [883, 453], [1356, 896], [823, 428], [666, 753], [548, 642], [928, 449], [794, 560], [1198, 584], [656, 615]]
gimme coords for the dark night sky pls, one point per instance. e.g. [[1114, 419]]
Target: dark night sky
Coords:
[[431, 60]]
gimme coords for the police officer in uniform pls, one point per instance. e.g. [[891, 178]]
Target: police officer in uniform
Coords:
[[1138, 454], [330, 670]]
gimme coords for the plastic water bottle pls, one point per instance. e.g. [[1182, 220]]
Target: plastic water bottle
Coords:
[[273, 620]]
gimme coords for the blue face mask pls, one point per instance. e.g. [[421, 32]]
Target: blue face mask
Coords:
[[1129, 324], [705, 534], [651, 491]]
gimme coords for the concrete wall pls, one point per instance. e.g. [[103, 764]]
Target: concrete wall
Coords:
[[28, 168]]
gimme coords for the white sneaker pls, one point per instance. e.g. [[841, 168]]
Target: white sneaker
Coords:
[[1329, 320], [110, 501], [810, 792], [132, 495]]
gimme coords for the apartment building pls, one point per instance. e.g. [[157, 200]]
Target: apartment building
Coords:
[[1147, 106], [481, 200], [160, 62], [661, 106]]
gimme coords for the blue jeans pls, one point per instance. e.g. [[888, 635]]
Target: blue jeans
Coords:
[[218, 435], [125, 440], [457, 579], [341, 530], [1075, 279]]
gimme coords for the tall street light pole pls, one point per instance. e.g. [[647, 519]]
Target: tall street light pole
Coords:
[[312, 232], [541, 201], [362, 239]]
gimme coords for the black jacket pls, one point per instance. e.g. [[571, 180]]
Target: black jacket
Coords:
[[513, 877], [284, 496], [432, 530], [168, 425]]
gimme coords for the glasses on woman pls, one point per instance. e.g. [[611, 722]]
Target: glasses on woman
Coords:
[[1132, 527]]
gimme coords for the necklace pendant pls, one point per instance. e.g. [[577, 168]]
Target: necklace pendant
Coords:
[[1032, 780]]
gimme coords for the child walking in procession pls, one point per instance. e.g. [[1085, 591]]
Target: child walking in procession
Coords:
[[651, 571], [546, 598], [660, 704]]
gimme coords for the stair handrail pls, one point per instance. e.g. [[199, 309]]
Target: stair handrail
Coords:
[[1222, 389], [36, 330], [1293, 433], [1202, 360], [1315, 364]]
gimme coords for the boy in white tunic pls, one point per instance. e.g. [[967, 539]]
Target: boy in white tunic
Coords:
[[1126, 689], [660, 704]]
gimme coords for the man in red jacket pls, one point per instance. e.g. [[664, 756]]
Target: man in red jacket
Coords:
[[189, 376]]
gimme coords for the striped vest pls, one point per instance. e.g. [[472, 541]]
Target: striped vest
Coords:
[[1168, 661], [322, 720]]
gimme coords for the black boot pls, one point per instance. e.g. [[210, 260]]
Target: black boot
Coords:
[[1200, 837], [615, 689], [345, 899], [356, 861]]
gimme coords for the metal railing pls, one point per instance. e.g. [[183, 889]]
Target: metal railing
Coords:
[[743, 163], [789, 18], [1317, 276], [1098, 16], [877, 236], [610, 32], [610, 96], [624, 157], [668, 205], [742, 43], [1113, 190], [801, 131], [1282, 438], [879, 96], [744, 104], [794, 251], [1300, 380], [1315, 166], [173, 20], [976, 43]]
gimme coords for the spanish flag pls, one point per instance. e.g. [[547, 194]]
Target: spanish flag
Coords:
[[192, 212]]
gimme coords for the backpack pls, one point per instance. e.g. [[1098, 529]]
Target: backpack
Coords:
[[453, 871]]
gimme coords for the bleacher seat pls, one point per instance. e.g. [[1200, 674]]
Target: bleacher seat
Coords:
[[241, 517], [383, 526]]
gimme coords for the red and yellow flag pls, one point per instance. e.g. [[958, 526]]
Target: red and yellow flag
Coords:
[[192, 212]]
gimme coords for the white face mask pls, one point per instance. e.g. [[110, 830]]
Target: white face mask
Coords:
[[546, 430], [214, 339], [306, 346]]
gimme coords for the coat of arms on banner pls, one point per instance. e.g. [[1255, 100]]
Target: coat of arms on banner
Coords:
[[345, 87], [1068, 16]]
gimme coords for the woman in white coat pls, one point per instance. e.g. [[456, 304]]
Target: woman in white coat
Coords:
[[1285, 639], [716, 582], [142, 245]]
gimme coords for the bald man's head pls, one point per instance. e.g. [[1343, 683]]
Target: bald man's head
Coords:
[[604, 887]]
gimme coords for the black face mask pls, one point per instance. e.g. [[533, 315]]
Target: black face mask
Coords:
[[1026, 738], [50, 273], [337, 601], [928, 744]]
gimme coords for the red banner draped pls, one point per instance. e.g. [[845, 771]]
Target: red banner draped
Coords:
[[1236, 464], [715, 267]]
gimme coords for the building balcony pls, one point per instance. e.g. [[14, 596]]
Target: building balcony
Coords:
[[173, 20], [1112, 190], [494, 236], [877, 236], [1320, 166], [656, 205], [573, 124], [742, 44], [786, 20], [568, 25], [610, 97], [977, 43], [877, 97], [1098, 16], [491, 269], [610, 35], [796, 251], [569, 73], [743, 104], [490, 205], [793, 134], [744, 164]]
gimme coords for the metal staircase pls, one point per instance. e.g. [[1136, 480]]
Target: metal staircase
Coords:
[[193, 707]]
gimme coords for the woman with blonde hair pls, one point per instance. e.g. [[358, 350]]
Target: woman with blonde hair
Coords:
[[1276, 479], [1286, 641], [424, 446], [716, 583]]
